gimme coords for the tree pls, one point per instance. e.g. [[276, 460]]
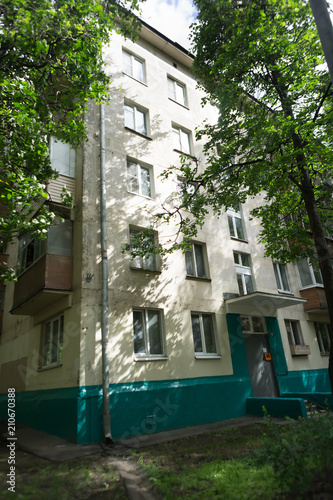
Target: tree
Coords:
[[51, 64], [261, 63]]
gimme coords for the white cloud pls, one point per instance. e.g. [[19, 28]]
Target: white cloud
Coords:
[[171, 17]]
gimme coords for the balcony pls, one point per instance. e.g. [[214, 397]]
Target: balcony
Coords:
[[316, 299], [45, 269], [47, 281]]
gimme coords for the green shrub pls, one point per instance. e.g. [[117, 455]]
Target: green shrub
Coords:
[[300, 453]]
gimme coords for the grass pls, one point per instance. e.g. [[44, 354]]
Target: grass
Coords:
[[268, 461], [85, 478]]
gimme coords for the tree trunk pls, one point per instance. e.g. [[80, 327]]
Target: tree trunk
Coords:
[[323, 253], [319, 239]]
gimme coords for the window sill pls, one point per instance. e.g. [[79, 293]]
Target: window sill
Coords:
[[149, 271], [207, 356], [45, 368], [138, 133], [141, 195], [285, 292], [179, 103], [135, 79], [324, 354], [150, 358], [238, 239], [197, 278], [194, 158]]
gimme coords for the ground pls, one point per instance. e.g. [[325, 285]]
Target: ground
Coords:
[[92, 478], [213, 465]]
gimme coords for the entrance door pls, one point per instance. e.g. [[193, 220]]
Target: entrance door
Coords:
[[260, 365]]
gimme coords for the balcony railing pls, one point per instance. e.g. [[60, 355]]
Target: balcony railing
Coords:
[[48, 280], [316, 299]]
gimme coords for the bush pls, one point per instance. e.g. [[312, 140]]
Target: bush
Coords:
[[300, 453]]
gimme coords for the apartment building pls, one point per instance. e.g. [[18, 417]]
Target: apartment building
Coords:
[[193, 337]]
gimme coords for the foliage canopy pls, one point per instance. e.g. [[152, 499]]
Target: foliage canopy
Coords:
[[51, 64], [261, 64]]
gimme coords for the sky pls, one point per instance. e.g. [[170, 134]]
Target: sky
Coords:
[[170, 17]]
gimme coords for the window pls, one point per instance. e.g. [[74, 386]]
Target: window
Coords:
[[62, 157], [182, 141], [323, 337], [252, 324], [281, 276], [309, 274], [53, 342], [195, 261], [147, 330], [176, 91], [243, 273], [139, 178], [235, 223], [135, 118], [203, 334], [134, 67], [294, 333], [187, 192], [147, 262], [29, 251]]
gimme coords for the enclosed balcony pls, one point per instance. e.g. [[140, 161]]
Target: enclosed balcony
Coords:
[[45, 270], [316, 299]]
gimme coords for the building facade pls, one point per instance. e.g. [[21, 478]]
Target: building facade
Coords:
[[191, 336]]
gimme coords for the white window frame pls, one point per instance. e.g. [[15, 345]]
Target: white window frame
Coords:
[[204, 353], [146, 354], [278, 266], [53, 343], [177, 91], [294, 332], [242, 271], [251, 320], [135, 113], [134, 60], [62, 157], [312, 273], [182, 139], [138, 177], [322, 328], [148, 262], [232, 216], [192, 254]]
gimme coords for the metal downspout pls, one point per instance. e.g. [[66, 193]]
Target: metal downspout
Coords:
[[105, 305]]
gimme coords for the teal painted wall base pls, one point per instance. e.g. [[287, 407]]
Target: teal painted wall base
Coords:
[[306, 381], [277, 407], [138, 408], [53, 411], [324, 399]]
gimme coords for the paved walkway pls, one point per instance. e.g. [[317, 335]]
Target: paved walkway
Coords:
[[137, 486]]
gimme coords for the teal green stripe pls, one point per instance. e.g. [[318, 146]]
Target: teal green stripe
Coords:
[[146, 407]]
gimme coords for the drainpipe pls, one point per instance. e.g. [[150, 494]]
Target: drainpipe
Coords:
[[105, 306]]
